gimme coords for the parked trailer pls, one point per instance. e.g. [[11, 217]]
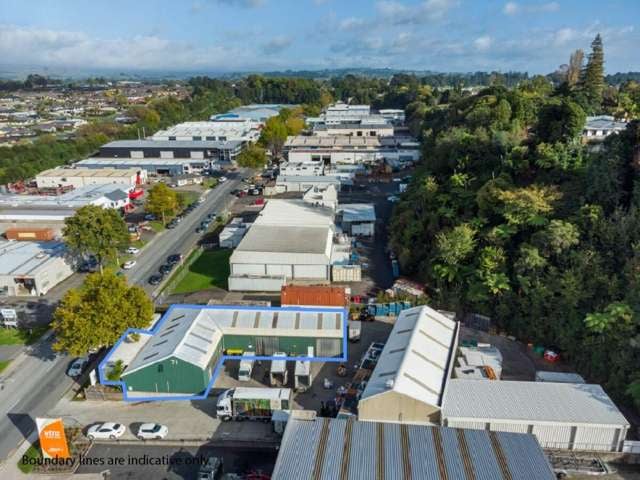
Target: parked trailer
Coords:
[[246, 367], [355, 328], [252, 403], [302, 374], [278, 375]]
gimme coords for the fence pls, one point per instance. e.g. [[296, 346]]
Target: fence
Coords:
[[387, 309], [177, 277]]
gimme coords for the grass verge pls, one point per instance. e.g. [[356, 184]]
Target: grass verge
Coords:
[[19, 336], [210, 269], [32, 453], [4, 364]]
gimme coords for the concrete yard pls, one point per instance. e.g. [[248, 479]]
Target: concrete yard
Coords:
[[376, 331]]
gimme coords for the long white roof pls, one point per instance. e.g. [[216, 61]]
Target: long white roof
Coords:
[[416, 357], [294, 213], [569, 403]]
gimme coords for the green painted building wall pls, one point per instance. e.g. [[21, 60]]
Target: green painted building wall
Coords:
[[289, 345], [171, 375]]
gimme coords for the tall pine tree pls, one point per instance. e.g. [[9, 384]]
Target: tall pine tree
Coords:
[[592, 81]]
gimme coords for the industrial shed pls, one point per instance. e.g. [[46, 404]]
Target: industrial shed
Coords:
[[409, 381], [290, 240], [358, 219], [327, 449], [32, 268], [180, 355], [561, 415]]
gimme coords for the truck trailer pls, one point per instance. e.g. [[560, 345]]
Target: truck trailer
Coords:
[[246, 367], [252, 403], [278, 375]]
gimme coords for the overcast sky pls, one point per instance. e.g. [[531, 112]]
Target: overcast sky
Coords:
[[232, 35]]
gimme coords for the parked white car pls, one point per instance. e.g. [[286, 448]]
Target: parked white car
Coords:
[[393, 198], [222, 179], [128, 264], [133, 250], [108, 430], [152, 431], [77, 366]]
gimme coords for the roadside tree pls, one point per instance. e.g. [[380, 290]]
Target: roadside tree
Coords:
[[97, 231], [98, 313]]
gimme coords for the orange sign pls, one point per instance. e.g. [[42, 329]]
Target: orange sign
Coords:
[[53, 441]]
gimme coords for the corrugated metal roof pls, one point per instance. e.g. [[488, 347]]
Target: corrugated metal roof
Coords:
[[358, 212], [313, 295], [26, 258], [171, 144], [416, 357], [566, 403], [294, 213], [192, 334], [324, 449]]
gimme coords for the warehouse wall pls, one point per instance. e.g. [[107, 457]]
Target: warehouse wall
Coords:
[[270, 345], [168, 376], [391, 406], [560, 436]]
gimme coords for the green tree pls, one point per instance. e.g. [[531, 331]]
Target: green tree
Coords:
[[98, 313], [273, 135], [253, 156], [592, 80], [161, 201], [560, 120], [97, 231], [528, 206], [616, 315]]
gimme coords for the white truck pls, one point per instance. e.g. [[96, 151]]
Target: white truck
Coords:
[[302, 374], [246, 367], [243, 403], [278, 375], [355, 328]]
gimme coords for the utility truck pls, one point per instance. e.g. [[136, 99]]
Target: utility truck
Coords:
[[244, 403]]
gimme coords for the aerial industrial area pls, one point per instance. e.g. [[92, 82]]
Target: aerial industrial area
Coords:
[[387, 274]]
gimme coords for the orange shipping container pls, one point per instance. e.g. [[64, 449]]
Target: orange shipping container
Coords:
[[30, 234], [313, 295]]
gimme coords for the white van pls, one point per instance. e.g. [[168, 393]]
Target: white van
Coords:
[[246, 367]]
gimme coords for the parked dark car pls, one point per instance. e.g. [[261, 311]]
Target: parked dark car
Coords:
[[155, 279], [165, 269], [200, 229], [173, 259]]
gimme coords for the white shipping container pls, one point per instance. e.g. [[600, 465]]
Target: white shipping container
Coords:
[[346, 273]]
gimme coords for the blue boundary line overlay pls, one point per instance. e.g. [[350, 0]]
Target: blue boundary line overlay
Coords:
[[104, 381]]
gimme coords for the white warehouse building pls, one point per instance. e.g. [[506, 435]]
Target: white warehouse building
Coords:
[[81, 177], [566, 416], [409, 382], [290, 240], [32, 268]]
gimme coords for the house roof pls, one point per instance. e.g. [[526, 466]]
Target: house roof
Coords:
[[416, 358], [328, 448], [531, 401], [171, 144]]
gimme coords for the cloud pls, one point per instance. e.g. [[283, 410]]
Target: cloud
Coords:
[[241, 3], [351, 23], [483, 43], [513, 8], [276, 45], [399, 13]]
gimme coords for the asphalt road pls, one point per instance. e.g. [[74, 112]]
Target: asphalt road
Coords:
[[181, 462], [32, 388], [36, 382]]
